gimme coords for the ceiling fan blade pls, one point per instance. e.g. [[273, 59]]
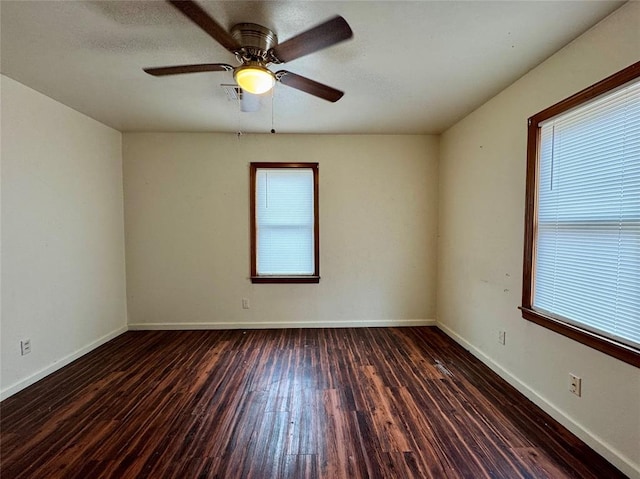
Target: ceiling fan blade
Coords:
[[179, 69], [329, 33], [197, 15], [309, 86]]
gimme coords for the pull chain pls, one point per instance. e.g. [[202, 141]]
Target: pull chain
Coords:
[[273, 129]]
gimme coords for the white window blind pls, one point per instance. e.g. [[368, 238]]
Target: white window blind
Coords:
[[285, 221], [587, 263]]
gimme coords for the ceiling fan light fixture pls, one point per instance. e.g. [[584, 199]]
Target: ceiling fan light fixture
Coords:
[[255, 79]]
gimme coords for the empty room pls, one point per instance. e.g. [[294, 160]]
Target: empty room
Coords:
[[320, 239]]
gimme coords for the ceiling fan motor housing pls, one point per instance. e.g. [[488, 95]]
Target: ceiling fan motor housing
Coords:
[[255, 41]]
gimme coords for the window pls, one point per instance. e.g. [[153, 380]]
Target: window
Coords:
[[284, 223], [582, 226]]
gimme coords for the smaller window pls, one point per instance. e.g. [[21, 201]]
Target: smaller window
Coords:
[[284, 223]]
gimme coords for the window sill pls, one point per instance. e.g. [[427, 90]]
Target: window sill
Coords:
[[601, 343], [285, 279]]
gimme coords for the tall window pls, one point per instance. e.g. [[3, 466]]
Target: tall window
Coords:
[[284, 223], [582, 244]]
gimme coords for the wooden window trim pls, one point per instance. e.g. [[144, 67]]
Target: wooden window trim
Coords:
[[297, 279], [602, 343]]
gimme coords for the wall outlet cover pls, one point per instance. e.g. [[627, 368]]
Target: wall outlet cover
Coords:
[[575, 384], [25, 346]]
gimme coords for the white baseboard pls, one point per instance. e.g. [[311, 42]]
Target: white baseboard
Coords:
[[20, 385], [285, 324], [593, 440]]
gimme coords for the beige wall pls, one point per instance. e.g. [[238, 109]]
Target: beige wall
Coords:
[[187, 231], [63, 276], [482, 180], [186, 223]]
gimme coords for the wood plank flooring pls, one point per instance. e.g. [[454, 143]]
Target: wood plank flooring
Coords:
[[295, 403]]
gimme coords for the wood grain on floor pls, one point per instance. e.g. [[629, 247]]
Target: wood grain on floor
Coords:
[[295, 403]]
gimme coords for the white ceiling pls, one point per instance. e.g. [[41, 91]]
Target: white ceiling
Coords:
[[412, 67]]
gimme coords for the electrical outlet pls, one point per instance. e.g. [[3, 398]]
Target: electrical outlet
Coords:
[[25, 346], [502, 337], [245, 303], [575, 384]]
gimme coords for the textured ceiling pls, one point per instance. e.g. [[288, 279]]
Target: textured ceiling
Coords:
[[412, 67]]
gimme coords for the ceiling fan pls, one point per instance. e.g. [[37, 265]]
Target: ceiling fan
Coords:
[[256, 47]]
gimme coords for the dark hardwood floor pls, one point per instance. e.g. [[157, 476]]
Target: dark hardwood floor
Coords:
[[297, 403]]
